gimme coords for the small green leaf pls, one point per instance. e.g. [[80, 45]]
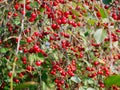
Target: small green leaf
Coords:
[[100, 35], [28, 14], [92, 21], [31, 58], [42, 9], [112, 80], [76, 79], [34, 4], [44, 76], [16, 21], [103, 13], [22, 42], [3, 50], [106, 1], [25, 85], [40, 57]]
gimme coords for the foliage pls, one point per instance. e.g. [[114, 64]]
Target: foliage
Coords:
[[59, 44]]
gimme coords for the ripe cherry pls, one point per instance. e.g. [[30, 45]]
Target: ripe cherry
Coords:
[[81, 55], [29, 39], [98, 14], [16, 6], [15, 14], [16, 80], [96, 63], [24, 59], [38, 63], [33, 15], [28, 7], [10, 74], [32, 19], [118, 30]]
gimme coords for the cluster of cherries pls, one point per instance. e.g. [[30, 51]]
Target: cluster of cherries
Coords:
[[61, 73], [59, 18]]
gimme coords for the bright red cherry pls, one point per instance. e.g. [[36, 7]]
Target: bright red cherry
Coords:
[[16, 80], [32, 19], [28, 7], [81, 55], [98, 14], [15, 14], [54, 26], [33, 15], [29, 39], [16, 6], [96, 63], [118, 30], [29, 68], [24, 59], [38, 63], [10, 74]]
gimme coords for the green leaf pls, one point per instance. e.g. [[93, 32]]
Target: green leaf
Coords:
[[112, 80], [25, 85], [28, 14], [42, 9], [3, 50], [75, 12], [76, 79], [16, 21], [44, 76], [31, 58], [106, 1], [100, 35], [103, 13], [22, 42], [34, 4], [40, 57], [92, 21]]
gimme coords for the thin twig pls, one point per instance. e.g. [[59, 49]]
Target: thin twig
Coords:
[[18, 45]]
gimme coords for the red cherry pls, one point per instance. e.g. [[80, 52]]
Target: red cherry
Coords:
[[16, 6], [102, 85], [29, 39], [21, 75], [10, 74], [54, 26], [29, 68], [16, 80], [81, 55], [63, 20], [22, 12], [36, 33], [28, 7], [32, 19], [24, 62], [38, 63], [118, 30], [15, 14], [24, 59], [35, 47], [79, 24], [66, 35], [96, 63], [98, 14], [66, 85], [9, 13], [106, 6], [33, 15]]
